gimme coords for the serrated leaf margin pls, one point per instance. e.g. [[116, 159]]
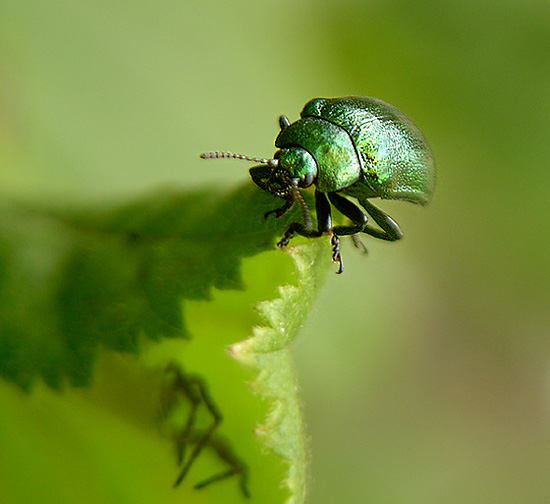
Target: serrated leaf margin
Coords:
[[267, 353]]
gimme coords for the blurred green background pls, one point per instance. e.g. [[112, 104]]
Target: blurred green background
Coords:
[[425, 368]]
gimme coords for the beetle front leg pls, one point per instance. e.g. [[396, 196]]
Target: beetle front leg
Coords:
[[324, 222], [279, 212], [260, 175]]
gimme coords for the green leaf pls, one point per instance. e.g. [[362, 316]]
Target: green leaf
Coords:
[[108, 297], [72, 280], [268, 354]]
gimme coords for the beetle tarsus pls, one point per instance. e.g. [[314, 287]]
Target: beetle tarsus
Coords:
[[336, 255], [285, 240], [279, 212], [359, 245]]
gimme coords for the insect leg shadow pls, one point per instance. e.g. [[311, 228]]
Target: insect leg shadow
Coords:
[[194, 389]]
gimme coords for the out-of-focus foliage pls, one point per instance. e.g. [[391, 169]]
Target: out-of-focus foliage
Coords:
[[77, 279], [424, 368]]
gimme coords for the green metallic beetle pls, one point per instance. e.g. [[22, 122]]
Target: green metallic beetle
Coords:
[[354, 146]]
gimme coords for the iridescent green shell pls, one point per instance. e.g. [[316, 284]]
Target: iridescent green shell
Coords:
[[396, 161]]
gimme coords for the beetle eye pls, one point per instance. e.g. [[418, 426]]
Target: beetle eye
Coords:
[[307, 180]]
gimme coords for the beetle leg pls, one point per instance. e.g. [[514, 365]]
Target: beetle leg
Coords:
[[260, 175], [336, 255], [279, 212], [351, 211], [358, 218], [324, 222], [181, 385], [358, 244], [389, 231]]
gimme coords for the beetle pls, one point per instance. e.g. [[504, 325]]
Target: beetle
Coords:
[[357, 147]]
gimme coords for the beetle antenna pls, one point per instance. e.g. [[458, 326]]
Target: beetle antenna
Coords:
[[306, 215], [231, 155]]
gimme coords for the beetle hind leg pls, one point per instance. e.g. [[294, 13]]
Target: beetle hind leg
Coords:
[[389, 229], [359, 245]]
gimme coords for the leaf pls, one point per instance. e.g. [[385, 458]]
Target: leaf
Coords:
[[268, 354], [72, 280], [79, 284]]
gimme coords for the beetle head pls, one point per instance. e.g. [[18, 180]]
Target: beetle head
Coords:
[[299, 164], [290, 167], [281, 176]]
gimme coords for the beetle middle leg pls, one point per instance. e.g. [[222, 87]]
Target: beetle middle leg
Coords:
[[324, 226], [351, 211], [389, 229]]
